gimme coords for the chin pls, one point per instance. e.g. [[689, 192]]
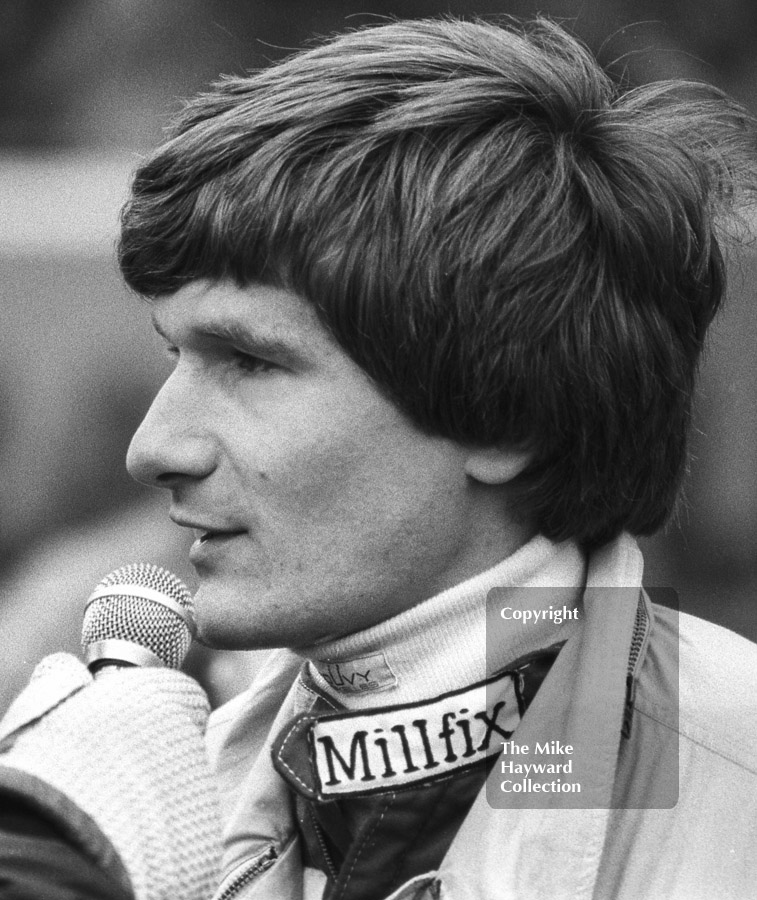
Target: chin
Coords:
[[225, 620], [217, 623], [222, 635], [216, 632], [209, 638]]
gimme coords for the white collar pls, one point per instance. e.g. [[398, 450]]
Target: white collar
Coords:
[[459, 636]]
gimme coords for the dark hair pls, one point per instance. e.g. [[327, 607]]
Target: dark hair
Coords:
[[518, 251]]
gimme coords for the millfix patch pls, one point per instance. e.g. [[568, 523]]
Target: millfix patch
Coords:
[[402, 746]]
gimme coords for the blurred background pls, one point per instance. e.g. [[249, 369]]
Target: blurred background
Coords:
[[85, 88]]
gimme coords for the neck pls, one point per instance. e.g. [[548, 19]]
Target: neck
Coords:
[[459, 636]]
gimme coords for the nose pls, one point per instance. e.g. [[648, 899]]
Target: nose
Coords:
[[173, 444]]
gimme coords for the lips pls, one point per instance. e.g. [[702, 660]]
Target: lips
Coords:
[[206, 535], [211, 546], [203, 537]]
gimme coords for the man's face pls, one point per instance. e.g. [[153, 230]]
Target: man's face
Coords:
[[318, 507]]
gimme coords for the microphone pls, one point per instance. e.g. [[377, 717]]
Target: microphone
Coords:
[[139, 615], [120, 764]]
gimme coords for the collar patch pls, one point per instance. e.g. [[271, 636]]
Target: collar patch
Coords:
[[402, 746], [355, 676]]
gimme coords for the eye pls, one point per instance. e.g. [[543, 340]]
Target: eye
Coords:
[[249, 363]]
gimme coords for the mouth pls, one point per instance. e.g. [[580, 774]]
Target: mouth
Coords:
[[204, 537], [210, 546], [200, 529]]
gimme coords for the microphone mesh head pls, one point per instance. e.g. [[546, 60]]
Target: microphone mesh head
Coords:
[[118, 612]]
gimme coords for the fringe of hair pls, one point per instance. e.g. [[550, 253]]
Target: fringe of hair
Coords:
[[515, 249]]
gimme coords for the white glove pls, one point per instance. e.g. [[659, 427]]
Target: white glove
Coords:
[[127, 749]]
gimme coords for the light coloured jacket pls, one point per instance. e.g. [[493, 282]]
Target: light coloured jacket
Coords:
[[693, 733]]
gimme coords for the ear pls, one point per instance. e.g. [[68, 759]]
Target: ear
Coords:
[[496, 465]]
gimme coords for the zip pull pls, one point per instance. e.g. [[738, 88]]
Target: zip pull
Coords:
[[628, 709], [245, 873]]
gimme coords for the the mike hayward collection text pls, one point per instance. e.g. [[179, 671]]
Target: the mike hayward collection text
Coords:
[[556, 758]]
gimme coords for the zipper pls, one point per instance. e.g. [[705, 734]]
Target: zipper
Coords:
[[322, 843], [639, 635], [640, 632], [245, 873]]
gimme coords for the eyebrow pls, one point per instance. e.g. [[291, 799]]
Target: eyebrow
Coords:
[[241, 336]]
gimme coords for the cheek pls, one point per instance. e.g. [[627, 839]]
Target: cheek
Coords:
[[379, 502], [307, 456], [326, 476]]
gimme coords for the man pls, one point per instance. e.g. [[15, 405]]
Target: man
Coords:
[[436, 292]]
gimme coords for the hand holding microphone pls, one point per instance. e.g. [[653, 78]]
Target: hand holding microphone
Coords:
[[118, 761]]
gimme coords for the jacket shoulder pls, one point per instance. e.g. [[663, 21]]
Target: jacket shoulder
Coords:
[[702, 679], [238, 729]]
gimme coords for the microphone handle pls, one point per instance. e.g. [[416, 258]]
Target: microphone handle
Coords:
[[104, 667], [116, 653]]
